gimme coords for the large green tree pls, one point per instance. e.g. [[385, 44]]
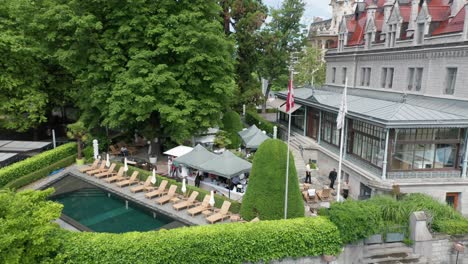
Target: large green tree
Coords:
[[264, 197], [280, 39], [165, 64], [310, 67]]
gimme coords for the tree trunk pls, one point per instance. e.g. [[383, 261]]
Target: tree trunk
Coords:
[[226, 18], [78, 142], [267, 91]]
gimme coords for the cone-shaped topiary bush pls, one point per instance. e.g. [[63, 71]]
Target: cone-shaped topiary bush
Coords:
[[265, 193], [232, 124]]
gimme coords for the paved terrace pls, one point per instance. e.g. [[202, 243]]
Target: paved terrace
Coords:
[[139, 198]]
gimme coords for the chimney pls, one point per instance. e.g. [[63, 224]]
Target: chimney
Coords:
[[371, 11], [413, 16], [387, 9], [455, 7], [465, 25]]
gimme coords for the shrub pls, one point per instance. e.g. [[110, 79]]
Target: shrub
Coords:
[[356, 219], [232, 124], [452, 227], [228, 243], [39, 174], [265, 194], [35, 163], [252, 118]]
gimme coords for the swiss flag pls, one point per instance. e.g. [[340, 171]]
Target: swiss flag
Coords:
[[290, 99]]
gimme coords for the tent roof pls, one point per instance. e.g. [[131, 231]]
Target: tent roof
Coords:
[[226, 165], [197, 156], [255, 141], [178, 151], [249, 132]]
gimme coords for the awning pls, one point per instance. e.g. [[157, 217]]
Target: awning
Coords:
[[178, 151], [256, 140], [249, 132], [196, 157], [275, 102], [226, 165], [283, 108], [22, 146]]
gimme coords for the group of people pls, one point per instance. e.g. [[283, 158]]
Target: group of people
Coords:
[[332, 177]]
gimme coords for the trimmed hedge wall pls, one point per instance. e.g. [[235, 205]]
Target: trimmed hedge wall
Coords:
[[38, 162], [251, 117], [143, 174], [232, 124], [234, 243], [39, 174], [265, 195]]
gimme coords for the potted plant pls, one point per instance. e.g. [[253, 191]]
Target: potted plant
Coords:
[[78, 131]]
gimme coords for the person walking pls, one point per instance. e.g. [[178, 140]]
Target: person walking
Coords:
[[308, 170], [332, 176]]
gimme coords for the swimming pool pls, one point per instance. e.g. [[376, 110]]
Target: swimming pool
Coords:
[[102, 211]]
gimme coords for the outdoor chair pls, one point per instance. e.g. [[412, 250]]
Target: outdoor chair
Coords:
[[324, 194], [118, 177], [160, 191], [142, 185], [98, 170], [308, 198], [170, 194], [114, 151], [188, 203], [200, 208], [93, 166], [221, 215], [133, 180], [131, 150], [107, 173]]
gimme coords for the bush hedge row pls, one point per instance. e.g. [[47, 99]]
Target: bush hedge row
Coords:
[[234, 243], [143, 174], [252, 118], [39, 174], [38, 162]]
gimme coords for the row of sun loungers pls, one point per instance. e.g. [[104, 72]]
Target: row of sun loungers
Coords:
[[163, 196]]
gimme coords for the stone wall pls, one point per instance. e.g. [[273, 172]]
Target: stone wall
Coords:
[[443, 252]]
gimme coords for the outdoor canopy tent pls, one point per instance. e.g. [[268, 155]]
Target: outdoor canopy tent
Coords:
[[196, 157], [226, 165], [252, 137], [246, 133], [178, 151]]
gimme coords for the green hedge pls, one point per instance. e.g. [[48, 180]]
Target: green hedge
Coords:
[[234, 243], [252, 118], [232, 124], [356, 219], [39, 174], [452, 227], [38, 162], [265, 195], [143, 174]]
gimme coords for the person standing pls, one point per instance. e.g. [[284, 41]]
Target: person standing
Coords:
[[332, 177], [308, 170], [197, 179]]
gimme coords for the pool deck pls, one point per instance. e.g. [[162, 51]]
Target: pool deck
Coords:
[[139, 198]]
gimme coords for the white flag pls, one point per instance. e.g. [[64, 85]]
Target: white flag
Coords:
[[153, 178], [340, 120]]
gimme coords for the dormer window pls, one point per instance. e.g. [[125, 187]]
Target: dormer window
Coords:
[[391, 35], [420, 33], [341, 41]]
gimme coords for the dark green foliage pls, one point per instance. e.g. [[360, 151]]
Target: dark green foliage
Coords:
[[39, 174], [452, 227], [27, 234], [232, 124], [265, 195], [310, 67], [227, 243], [38, 162], [356, 219], [253, 118]]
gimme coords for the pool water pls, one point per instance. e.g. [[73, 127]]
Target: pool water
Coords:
[[104, 212]]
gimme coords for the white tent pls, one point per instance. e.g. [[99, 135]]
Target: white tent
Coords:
[[178, 151]]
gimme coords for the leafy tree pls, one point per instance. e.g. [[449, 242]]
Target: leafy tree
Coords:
[[79, 132], [265, 196], [279, 40], [232, 124], [162, 64], [310, 67], [27, 234]]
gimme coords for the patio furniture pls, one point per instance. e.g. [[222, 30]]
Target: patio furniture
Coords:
[[142, 186], [170, 194], [160, 191], [202, 207], [131, 181], [324, 194], [98, 170], [114, 151], [221, 215], [188, 203], [118, 177], [106, 173], [92, 167]]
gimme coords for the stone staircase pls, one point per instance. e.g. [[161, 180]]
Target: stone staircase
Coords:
[[390, 253]]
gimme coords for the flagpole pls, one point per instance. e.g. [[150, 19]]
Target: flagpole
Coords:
[[287, 153], [342, 130]]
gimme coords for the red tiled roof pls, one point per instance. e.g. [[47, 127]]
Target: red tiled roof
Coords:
[[405, 12], [379, 20], [358, 35], [439, 13], [455, 25]]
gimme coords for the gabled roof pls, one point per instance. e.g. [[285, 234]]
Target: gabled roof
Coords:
[[226, 165], [455, 25], [357, 37], [197, 156]]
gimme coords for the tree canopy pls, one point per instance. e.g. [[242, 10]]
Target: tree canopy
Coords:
[[264, 197], [310, 67]]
